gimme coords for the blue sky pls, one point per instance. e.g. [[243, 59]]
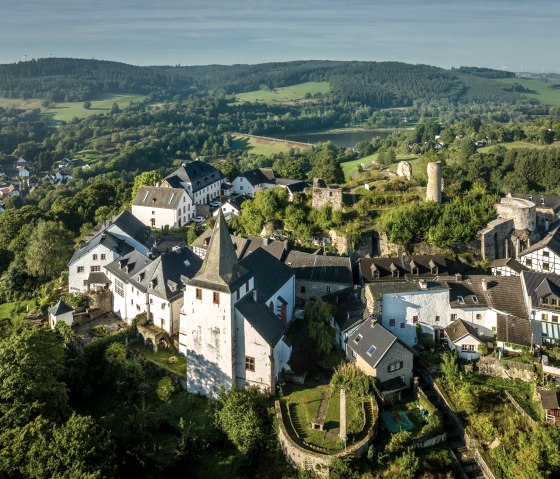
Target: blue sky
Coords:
[[512, 34]]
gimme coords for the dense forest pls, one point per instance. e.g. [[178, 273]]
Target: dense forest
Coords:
[[377, 84]]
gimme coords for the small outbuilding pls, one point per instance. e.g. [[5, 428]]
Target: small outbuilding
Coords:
[[61, 312]]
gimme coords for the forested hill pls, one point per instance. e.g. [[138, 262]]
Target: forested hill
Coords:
[[377, 84]]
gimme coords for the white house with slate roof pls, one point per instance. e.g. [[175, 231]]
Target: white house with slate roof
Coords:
[[543, 256], [152, 285], [61, 312], [158, 207], [234, 317], [123, 235], [201, 181]]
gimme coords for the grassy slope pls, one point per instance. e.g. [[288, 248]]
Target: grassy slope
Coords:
[[542, 90], [284, 94], [349, 166], [519, 144], [67, 111], [6, 309], [264, 146]]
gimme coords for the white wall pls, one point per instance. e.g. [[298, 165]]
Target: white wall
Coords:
[[75, 279], [67, 318], [287, 291], [503, 271], [241, 186], [467, 340], [538, 260]]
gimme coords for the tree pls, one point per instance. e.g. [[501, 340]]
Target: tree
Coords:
[[115, 108], [242, 414], [408, 463], [317, 317], [148, 178], [49, 250], [165, 389], [450, 368], [87, 105]]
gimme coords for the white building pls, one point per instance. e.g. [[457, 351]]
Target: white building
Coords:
[[465, 339], [123, 235], [201, 181], [507, 267], [159, 207], [543, 256], [234, 317], [23, 173], [61, 312], [232, 206], [153, 286], [251, 182]]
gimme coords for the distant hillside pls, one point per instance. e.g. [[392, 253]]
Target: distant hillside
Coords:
[[377, 84]]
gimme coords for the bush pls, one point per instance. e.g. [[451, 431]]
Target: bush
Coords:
[[349, 377], [98, 331], [165, 389], [408, 464], [399, 441]]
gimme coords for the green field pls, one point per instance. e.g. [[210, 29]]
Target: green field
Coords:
[[61, 111], [540, 90], [257, 145], [349, 166], [519, 144], [286, 94], [8, 310]]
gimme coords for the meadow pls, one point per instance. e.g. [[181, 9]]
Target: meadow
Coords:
[[541, 91], [258, 145], [289, 94], [61, 111], [349, 166]]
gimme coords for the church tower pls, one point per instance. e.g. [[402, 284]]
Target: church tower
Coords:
[[207, 323]]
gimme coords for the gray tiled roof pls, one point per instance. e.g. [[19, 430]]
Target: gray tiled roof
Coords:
[[510, 263], [377, 290], [134, 228], [276, 248], [259, 175], [550, 241], [158, 197], [549, 399], [459, 329], [269, 273], [265, 322], [371, 335], [60, 308], [198, 173], [516, 330], [536, 283], [106, 239], [321, 268], [350, 309], [203, 241], [404, 265], [541, 201]]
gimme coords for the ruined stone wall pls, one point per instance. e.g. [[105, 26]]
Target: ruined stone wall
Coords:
[[102, 300], [505, 369], [433, 191], [522, 212], [495, 240], [326, 196]]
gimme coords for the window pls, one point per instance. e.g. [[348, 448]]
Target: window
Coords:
[[545, 301], [494, 328], [85, 283], [461, 300], [95, 269], [133, 289], [545, 266], [478, 316], [238, 293], [453, 317], [119, 288], [376, 274], [544, 317], [151, 301], [80, 269], [250, 363], [302, 289], [414, 319], [216, 297], [328, 289], [131, 302], [395, 366], [467, 347], [247, 287], [416, 271], [437, 318], [371, 350], [475, 299], [137, 307], [198, 293], [554, 318], [103, 257], [402, 325], [94, 257], [163, 305], [554, 302], [545, 254], [391, 322], [358, 338], [528, 262]]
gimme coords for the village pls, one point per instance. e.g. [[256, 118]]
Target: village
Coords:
[[233, 307]]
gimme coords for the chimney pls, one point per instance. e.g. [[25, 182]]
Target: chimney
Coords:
[[484, 285], [266, 241], [458, 277], [255, 295]]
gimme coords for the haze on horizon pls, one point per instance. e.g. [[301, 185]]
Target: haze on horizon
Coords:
[[517, 35]]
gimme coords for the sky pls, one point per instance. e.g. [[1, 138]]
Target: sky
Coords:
[[517, 35]]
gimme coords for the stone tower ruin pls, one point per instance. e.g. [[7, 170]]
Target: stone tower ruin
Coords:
[[433, 192]]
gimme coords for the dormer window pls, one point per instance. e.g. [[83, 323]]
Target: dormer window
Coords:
[[461, 300], [435, 270], [544, 300], [475, 299], [358, 338], [376, 274], [415, 271], [395, 274]]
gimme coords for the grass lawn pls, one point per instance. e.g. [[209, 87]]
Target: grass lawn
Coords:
[[255, 145], [518, 145], [7, 310], [87, 155], [349, 166], [286, 94], [419, 166], [163, 358], [61, 111], [540, 90]]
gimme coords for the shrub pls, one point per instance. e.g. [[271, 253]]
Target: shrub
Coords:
[[399, 441], [349, 377], [165, 389]]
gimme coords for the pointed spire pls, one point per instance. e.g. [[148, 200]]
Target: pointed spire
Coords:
[[220, 267]]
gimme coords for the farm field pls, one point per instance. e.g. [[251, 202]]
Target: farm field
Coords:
[[258, 145], [62, 111], [286, 94], [542, 90]]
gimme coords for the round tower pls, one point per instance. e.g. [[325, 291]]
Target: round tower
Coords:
[[433, 192]]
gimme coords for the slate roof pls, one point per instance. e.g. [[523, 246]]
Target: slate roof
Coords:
[[350, 309], [294, 186], [372, 334], [276, 248], [134, 228], [158, 197], [405, 266], [98, 277], [377, 290], [220, 270], [259, 175], [540, 283], [320, 268], [504, 294], [198, 173], [269, 273], [459, 329], [60, 308], [550, 241], [236, 201], [514, 330], [511, 263], [161, 276], [541, 201], [106, 239], [265, 322], [549, 399]]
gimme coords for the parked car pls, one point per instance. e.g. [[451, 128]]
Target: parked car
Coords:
[[215, 203], [199, 219]]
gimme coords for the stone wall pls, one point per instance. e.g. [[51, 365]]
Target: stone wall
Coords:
[[505, 369], [102, 300], [324, 195], [495, 239]]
